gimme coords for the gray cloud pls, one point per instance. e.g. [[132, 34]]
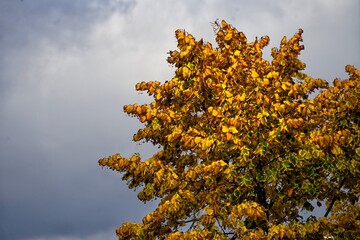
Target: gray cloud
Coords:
[[68, 67], [27, 23]]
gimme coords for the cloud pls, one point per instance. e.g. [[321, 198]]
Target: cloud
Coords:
[[68, 67], [54, 127]]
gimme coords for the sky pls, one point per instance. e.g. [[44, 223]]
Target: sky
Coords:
[[67, 67]]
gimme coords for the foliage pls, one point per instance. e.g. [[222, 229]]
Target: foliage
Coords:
[[244, 152]]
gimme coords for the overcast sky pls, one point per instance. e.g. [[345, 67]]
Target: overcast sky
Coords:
[[68, 66]]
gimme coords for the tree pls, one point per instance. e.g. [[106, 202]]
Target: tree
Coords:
[[245, 153]]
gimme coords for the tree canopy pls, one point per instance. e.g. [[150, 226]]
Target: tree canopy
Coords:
[[248, 148]]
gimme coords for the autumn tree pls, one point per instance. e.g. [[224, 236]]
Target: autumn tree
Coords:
[[245, 151]]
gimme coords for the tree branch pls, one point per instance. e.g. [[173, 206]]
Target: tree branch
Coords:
[[334, 199]]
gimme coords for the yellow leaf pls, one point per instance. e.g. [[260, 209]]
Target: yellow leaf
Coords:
[[209, 211], [206, 51], [148, 218], [159, 175], [148, 115], [237, 53], [266, 82], [224, 129], [183, 54], [222, 163], [282, 233], [254, 74], [282, 108], [272, 75], [179, 34], [277, 97], [336, 150], [228, 94], [272, 133], [242, 97], [158, 96], [197, 140], [228, 136], [265, 113], [215, 112], [143, 118], [185, 72], [206, 144], [207, 73], [233, 130], [228, 36]]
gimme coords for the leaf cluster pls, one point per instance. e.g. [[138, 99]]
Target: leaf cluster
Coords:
[[243, 150]]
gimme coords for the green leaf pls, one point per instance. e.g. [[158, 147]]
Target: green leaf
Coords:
[[357, 150], [308, 206]]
